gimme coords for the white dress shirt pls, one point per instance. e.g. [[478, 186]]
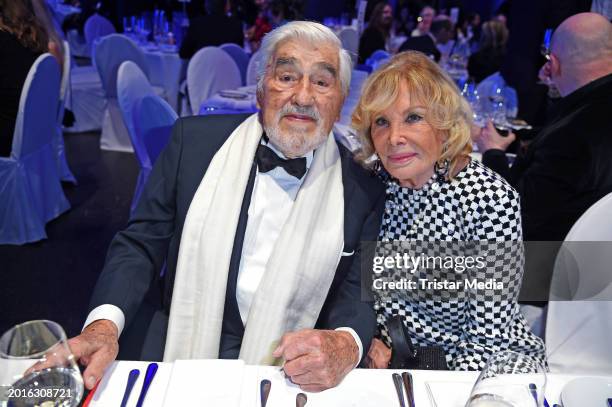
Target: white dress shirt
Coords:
[[273, 195]]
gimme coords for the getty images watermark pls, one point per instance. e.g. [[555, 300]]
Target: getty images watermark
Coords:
[[414, 265], [443, 270], [486, 270]]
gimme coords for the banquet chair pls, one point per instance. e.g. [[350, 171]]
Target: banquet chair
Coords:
[[132, 85], [153, 119], [209, 71], [252, 69], [240, 57], [96, 27], [30, 190], [579, 320], [58, 141], [357, 80], [109, 54], [350, 42], [378, 58]]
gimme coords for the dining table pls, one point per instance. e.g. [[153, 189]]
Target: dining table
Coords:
[[233, 383]]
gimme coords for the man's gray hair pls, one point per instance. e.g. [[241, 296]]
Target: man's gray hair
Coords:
[[304, 30]]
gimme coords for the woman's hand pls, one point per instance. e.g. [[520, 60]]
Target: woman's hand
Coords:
[[379, 356]]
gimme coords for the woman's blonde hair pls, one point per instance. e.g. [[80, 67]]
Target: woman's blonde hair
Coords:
[[446, 110]]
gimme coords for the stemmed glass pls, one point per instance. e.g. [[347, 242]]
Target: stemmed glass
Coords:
[[37, 367], [509, 379]]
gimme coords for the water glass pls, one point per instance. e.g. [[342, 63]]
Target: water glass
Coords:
[[509, 379], [37, 367]]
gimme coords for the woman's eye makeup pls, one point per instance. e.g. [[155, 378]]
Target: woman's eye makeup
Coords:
[[380, 122], [414, 118]]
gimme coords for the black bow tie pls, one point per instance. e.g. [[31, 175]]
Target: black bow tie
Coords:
[[267, 160]]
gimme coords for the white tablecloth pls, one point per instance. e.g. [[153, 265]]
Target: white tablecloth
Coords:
[[165, 70], [231, 383]]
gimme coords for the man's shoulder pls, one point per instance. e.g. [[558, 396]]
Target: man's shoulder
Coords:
[[353, 172]]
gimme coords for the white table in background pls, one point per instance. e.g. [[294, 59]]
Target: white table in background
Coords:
[[165, 70]]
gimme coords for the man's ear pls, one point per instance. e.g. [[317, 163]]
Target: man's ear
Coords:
[[555, 66], [258, 97]]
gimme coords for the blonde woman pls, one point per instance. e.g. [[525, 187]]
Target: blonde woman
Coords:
[[412, 119]]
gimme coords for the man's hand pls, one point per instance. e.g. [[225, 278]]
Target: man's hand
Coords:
[[379, 355], [490, 139], [317, 359], [96, 347]]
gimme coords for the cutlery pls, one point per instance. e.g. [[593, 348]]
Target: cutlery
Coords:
[[131, 381], [397, 380], [90, 395], [533, 388], [431, 396], [264, 391], [300, 400], [408, 386], [149, 375]]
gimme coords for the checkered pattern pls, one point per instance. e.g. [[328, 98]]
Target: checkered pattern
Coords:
[[479, 208]]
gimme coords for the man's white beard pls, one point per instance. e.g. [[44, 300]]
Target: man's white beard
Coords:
[[295, 143]]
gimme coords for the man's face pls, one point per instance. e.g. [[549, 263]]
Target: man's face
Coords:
[[301, 96]]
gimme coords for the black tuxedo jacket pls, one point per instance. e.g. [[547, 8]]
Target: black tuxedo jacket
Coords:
[[151, 241], [422, 43]]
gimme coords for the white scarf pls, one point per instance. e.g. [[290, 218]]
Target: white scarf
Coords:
[[298, 274]]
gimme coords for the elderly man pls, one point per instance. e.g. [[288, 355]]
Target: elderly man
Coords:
[[258, 220], [567, 168]]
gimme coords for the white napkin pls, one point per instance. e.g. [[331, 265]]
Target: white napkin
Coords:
[[205, 383], [111, 388], [360, 388]]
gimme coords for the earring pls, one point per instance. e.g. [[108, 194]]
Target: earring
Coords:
[[441, 170], [374, 162]]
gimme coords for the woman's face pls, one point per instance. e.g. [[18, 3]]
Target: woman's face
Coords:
[[407, 145]]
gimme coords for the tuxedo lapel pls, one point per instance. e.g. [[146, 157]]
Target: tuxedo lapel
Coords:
[[232, 322]]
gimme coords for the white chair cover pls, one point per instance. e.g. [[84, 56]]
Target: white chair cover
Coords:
[[240, 57], [86, 99], [30, 190], [132, 85], [357, 80], [153, 119], [378, 58], [58, 141], [78, 45], [109, 53], [252, 69], [96, 27], [350, 41], [578, 332], [209, 71]]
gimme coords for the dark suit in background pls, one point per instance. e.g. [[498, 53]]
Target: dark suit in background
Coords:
[[211, 30], [16, 63], [371, 40], [153, 235], [567, 167], [422, 43]]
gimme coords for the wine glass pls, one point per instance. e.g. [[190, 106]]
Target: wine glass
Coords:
[[37, 367], [509, 379]]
